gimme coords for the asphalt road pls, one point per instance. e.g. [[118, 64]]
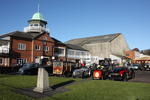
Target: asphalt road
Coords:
[[141, 76]]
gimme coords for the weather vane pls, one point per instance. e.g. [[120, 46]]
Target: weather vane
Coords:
[[38, 5]]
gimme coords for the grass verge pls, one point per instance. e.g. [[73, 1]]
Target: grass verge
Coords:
[[87, 90]]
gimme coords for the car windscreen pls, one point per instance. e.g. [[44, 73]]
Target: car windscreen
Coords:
[[135, 65], [117, 69], [27, 65], [57, 64]]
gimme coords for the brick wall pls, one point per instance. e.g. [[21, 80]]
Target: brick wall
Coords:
[[39, 41], [16, 53], [30, 53]]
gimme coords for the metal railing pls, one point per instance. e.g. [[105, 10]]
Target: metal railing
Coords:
[[78, 56], [60, 55], [4, 50], [35, 29]]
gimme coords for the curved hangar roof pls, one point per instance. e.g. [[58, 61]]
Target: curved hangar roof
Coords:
[[95, 39]]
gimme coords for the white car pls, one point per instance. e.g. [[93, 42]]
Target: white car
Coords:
[[135, 66], [147, 66]]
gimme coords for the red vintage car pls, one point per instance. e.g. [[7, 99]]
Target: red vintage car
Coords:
[[61, 68], [122, 73], [100, 74], [97, 74]]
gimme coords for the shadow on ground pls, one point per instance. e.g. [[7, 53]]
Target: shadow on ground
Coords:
[[58, 88], [62, 84]]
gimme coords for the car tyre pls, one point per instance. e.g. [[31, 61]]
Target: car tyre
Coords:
[[133, 75], [74, 76], [89, 73], [125, 77], [103, 77], [83, 75]]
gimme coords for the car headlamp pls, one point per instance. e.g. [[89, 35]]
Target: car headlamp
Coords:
[[96, 74]]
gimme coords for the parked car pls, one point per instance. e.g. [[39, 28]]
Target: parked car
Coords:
[[101, 73], [147, 67], [122, 73], [135, 67], [61, 68], [28, 68], [82, 72]]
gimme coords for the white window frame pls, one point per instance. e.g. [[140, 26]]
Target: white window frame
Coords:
[[36, 24], [2, 59], [6, 61], [37, 47], [46, 48], [62, 49], [21, 46], [37, 60], [22, 60]]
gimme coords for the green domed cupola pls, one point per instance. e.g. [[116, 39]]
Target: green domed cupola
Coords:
[[37, 23], [37, 16]]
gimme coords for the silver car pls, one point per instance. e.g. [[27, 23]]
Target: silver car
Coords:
[[147, 67], [135, 66], [28, 68], [82, 72]]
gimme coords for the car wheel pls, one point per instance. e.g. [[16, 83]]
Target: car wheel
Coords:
[[92, 77], [104, 77], [125, 77], [66, 74], [133, 75], [83, 75], [111, 78], [74, 76], [89, 73]]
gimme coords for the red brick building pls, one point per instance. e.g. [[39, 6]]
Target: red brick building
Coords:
[[27, 48], [35, 45]]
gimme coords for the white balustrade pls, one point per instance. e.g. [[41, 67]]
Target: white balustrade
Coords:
[[35, 29]]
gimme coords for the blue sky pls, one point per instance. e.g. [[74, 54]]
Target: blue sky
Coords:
[[69, 19]]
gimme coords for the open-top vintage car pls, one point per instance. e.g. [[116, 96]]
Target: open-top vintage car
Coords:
[[28, 68], [147, 67], [57, 67], [102, 70], [81, 72], [122, 73], [100, 73], [32, 69], [63, 68], [136, 66]]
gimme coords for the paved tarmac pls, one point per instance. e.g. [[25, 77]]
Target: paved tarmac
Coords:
[[141, 76]]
